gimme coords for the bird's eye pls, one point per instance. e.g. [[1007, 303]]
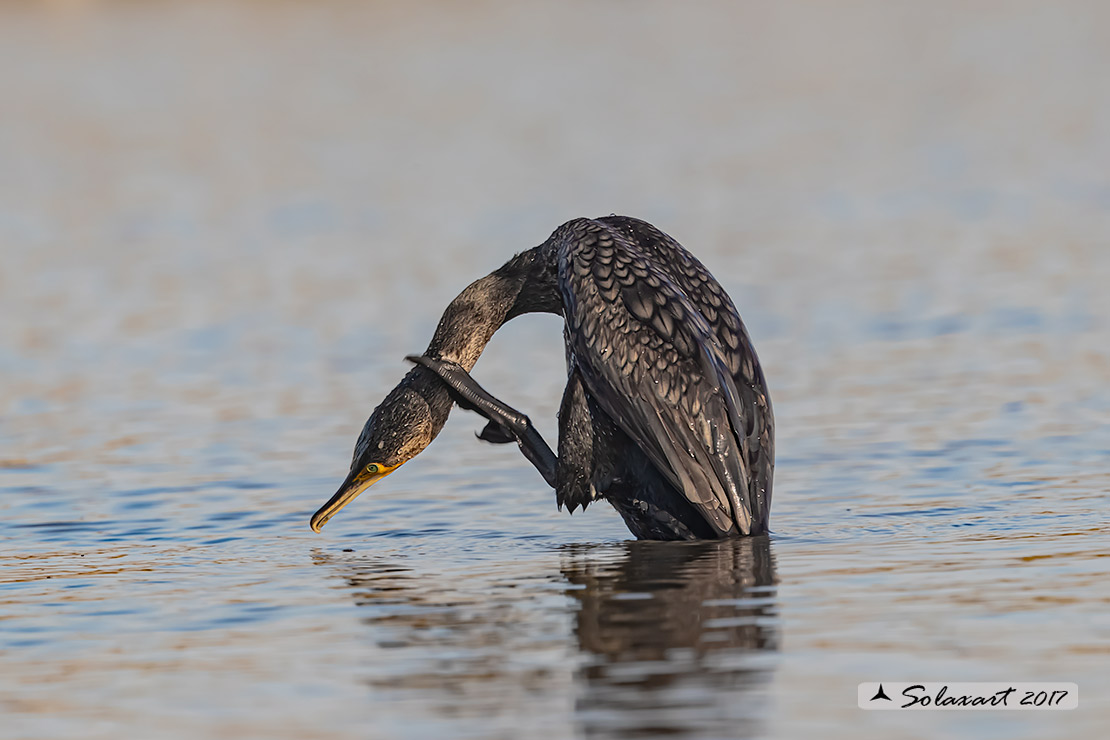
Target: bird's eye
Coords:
[[372, 468]]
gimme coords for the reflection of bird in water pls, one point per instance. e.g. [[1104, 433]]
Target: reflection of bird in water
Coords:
[[705, 596], [645, 639], [674, 637], [665, 415]]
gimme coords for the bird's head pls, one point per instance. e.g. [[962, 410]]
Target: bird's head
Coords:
[[398, 430]]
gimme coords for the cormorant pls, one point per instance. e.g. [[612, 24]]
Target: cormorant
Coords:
[[665, 415]]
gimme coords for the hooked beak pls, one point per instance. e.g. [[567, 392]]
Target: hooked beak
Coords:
[[357, 482]]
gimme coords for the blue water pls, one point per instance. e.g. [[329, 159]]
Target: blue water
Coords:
[[222, 226]]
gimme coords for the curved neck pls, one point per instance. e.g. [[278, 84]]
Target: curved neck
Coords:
[[524, 284]]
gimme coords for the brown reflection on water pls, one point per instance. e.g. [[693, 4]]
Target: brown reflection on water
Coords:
[[664, 638], [666, 622]]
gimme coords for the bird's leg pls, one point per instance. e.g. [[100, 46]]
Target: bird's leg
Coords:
[[506, 423]]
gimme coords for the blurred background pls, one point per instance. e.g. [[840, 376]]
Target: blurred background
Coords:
[[223, 225]]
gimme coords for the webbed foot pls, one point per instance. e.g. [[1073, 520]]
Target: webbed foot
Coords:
[[506, 424], [495, 434]]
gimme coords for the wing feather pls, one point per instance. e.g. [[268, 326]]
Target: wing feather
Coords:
[[655, 365], [755, 415]]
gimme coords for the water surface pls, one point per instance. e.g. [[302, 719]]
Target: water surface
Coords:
[[223, 225]]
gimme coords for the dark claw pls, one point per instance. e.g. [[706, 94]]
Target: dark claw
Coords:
[[440, 368], [506, 424], [467, 393]]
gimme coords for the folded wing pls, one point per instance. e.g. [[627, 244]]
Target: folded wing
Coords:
[[655, 365]]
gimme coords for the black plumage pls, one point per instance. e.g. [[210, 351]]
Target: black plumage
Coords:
[[688, 393], [666, 413]]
